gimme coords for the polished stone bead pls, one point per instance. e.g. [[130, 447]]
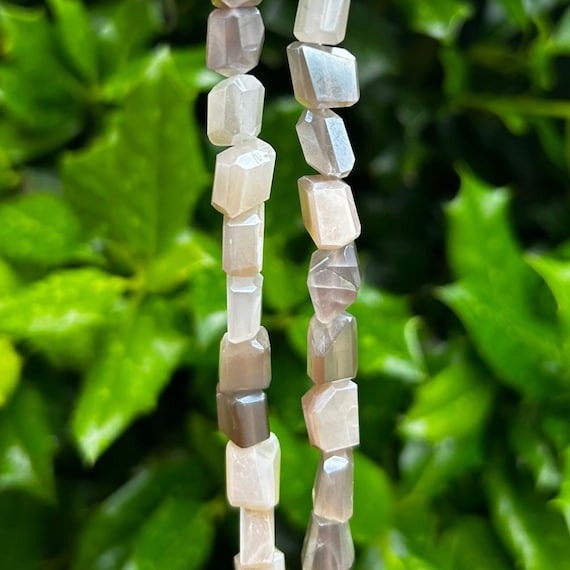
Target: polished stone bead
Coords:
[[257, 537], [331, 415], [328, 211], [252, 474], [234, 40], [334, 281], [332, 350], [235, 3], [321, 21], [235, 110], [245, 365], [244, 306], [332, 493], [325, 142], [328, 545], [243, 177], [243, 416], [278, 563], [242, 242], [323, 77]]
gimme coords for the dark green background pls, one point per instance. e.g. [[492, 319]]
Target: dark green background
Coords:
[[112, 298]]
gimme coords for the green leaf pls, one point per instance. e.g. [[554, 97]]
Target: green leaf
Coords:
[[516, 11], [139, 183], [562, 501], [8, 279], [10, 368], [455, 403], [136, 363], [560, 38], [26, 445], [38, 229]]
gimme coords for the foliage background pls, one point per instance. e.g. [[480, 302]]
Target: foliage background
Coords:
[[112, 296]]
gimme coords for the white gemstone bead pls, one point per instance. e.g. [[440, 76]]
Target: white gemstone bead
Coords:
[[278, 563], [244, 306], [333, 490], [235, 3], [257, 537], [328, 545], [321, 21], [252, 475], [242, 242]]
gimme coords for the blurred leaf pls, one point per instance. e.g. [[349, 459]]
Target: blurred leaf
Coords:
[[562, 501], [125, 382], [8, 177], [140, 181], [26, 445], [10, 368], [516, 11], [8, 279], [560, 38], [456, 70]]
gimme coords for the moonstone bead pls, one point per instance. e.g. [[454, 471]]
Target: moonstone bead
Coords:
[[245, 365], [278, 563], [333, 490], [328, 545], [325, 142], [243, 416], [328, 211], [321, 21], [243, 177], [242, 242], [244, 306], [235, 3], [235, 110], [334, 281], [323, 77], [252, 474], [332, 351], [234, 40], [331, 415], [257, 537]]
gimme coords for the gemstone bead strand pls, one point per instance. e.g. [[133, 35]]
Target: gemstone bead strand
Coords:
[[242, 183], [325, 77]]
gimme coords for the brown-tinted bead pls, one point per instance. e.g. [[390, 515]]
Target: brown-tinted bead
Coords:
[[332, 493], [328, 545]]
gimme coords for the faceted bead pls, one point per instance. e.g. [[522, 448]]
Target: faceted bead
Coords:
[[332, 493], [321, 21], [243, 416], [323, 77], [252, 474], [234, 40], [332, 349], [235, 109], [244, 306], [278, 563], [325, 142], [257, 537], [331, 415], [245, 365], [235, 3], [243, 177], [328, 545], [334, 281], [328, 211], [242, 251]]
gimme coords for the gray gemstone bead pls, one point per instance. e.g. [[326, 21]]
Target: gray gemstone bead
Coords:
[[333, 490], [235, 3], [321, 21]]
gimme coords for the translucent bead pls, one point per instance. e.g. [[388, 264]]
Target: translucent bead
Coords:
[[323, 77], [245, 365], [242, 242], [332, 351], [243, 177], [234, 40], [325, 142], [331, 415], [334, 281], [328, 211], [257, 537], [252, 474], [243, 416], [244, 306], [333, 490], [321, 21], [278, 563], [328, 545], [235, 110], [235, 3]]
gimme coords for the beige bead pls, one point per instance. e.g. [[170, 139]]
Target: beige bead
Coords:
[[244, 306], [333, 490], [242, 242], [328, 211], [235, 110], [331, 415], [235, 3], [321, 21], [257, 537], [243, 177], [252, 475], [278, 563], [328, 545]]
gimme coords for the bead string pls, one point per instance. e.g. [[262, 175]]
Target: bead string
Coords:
[[325, 77], [242, 183]]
